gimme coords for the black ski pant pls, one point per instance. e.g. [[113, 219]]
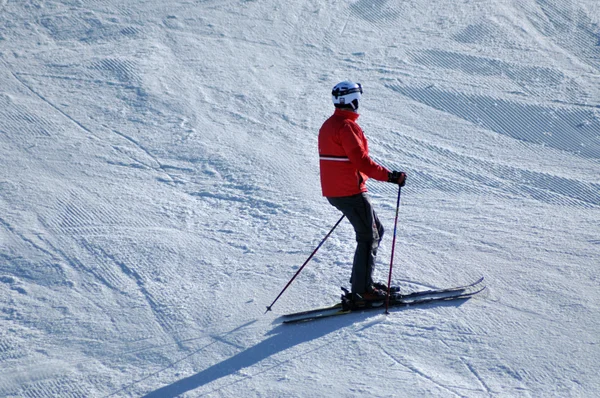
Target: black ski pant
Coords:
[[369, 231]]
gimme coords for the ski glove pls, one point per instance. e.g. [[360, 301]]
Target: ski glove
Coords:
[[397, 177]]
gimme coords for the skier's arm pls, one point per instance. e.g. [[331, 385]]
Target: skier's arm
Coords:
[[357, 154]]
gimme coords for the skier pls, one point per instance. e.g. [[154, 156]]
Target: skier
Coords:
[[345, 166]]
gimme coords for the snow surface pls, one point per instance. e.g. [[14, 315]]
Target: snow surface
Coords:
[[159, 185]]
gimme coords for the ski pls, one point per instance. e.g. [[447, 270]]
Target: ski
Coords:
[[398, 300], [403, 296], [444, 290], [338, 310]]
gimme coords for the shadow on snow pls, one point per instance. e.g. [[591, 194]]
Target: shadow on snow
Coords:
[[281, 338]]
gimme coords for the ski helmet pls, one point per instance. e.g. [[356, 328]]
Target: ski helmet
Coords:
[[346, 95]]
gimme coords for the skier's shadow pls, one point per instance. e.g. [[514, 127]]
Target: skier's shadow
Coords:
[[281, 338]]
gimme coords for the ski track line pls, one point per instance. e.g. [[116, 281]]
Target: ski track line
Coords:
[[73, 222], [45, 380], [417, 372], [220, 37], [429, 178], [332, 33], [77, 218], [154, 347], [171, 365], [81, 126], [28, 125], [63, 386], [42, 273], [508, 179], [123, 70], [87, 28], [10, 349], [476, 374], [23, 238], [523, 75], [100, 82], [158, 166], [376, 13], [486, 33], [113, 270], [571, 29], [90, 266], [522, 310], [570, 130], [102, 266], [94, 268], [194, 352]]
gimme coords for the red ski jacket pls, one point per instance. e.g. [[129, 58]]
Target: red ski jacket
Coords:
[[344, 156]]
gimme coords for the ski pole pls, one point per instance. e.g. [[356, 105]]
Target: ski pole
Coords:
[[306, 262], [387, 302]]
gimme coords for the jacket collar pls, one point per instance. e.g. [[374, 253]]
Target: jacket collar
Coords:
[[346, 114]]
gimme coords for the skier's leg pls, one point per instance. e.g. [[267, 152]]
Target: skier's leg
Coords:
[[359, 211], [371, 238], [377, 231]]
